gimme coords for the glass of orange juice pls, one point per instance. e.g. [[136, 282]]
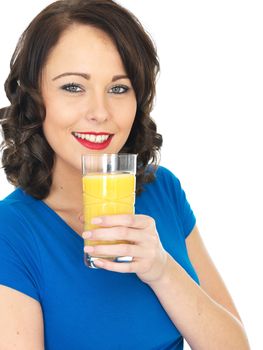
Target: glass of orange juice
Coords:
[[108, 189]]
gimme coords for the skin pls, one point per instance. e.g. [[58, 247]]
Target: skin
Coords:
[[205, 314], [96, 104]]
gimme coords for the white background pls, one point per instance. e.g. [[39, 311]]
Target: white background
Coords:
[[208, 109]]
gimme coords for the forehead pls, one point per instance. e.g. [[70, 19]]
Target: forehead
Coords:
[[86, 48]]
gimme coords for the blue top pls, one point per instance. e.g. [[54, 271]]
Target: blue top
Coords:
[[41, 256]]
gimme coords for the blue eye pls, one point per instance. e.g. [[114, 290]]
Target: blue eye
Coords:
[[72, 87], [119, 89]]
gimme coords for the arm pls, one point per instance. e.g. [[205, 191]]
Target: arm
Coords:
[[205, 315], [210, 280], [21, 321]]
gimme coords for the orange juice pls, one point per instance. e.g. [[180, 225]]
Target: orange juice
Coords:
[[107, 194]]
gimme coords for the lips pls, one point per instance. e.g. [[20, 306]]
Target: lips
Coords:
[[93, 140]]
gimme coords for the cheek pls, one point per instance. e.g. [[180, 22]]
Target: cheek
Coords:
[[51, 126], [55, 126], [132, 114], [127, 115], [59, 116], [59, 111], [53, 111]]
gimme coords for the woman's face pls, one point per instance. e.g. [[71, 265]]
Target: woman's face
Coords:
[[90, 103]]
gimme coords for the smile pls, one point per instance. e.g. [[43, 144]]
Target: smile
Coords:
[[93, 140]]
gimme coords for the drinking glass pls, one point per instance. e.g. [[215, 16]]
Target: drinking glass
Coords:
[[108, 189]]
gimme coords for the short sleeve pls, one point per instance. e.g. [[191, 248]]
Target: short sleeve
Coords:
[[18, 269], [183, 208]]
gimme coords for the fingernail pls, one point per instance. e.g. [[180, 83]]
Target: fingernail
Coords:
[[98, 263], [96, 221], [86, 234], [88, 249]]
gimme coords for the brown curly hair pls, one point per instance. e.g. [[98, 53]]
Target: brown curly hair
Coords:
[[27, 157]]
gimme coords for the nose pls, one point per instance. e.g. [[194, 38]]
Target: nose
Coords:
[[97, 108]]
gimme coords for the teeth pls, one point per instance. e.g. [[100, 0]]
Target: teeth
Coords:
[[92, 138]]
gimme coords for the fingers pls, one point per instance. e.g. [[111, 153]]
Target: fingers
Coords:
[[117, 267], [113, 234], [138, 239], [134, 221], [134, 228], [115, 250]]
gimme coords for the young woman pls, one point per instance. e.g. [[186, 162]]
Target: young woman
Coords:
[[88, 67]]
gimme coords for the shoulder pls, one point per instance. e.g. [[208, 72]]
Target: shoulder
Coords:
[[163, 174], [20, 263], [166, 180], [14, 211], [165, 189], [18, 219], [14, 202]]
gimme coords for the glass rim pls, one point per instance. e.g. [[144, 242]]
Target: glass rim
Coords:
[[108, 163], [108, 154]]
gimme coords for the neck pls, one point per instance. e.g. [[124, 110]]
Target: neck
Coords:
[[66, 189]]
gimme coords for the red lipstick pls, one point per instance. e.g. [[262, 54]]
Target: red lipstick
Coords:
[[93, 140]]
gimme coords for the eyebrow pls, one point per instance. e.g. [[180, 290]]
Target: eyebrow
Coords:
[[87, 76], [118, 77], [83, 75]]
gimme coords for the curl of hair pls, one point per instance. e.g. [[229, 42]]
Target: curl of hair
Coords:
[[27, 157]]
